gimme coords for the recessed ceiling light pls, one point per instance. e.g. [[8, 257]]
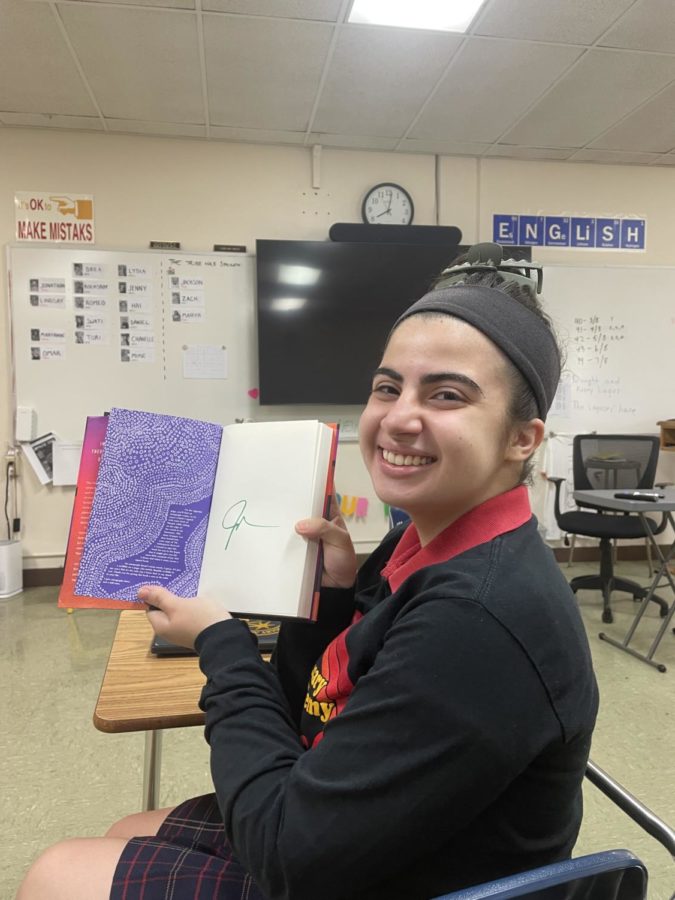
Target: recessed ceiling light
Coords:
[[437, 15]]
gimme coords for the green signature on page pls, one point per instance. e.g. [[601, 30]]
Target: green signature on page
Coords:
[[235, 517]]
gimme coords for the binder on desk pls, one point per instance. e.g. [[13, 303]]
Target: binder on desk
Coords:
[[266, 630]]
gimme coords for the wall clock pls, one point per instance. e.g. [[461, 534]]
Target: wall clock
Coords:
[[387, 204]]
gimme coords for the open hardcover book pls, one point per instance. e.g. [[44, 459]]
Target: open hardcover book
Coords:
[[201, 509]]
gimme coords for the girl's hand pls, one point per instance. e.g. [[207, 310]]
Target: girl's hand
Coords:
[[180, 619], [339, 556]]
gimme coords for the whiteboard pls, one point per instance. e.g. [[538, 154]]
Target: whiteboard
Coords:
[[94, 329], [617, 329], [617, 326]]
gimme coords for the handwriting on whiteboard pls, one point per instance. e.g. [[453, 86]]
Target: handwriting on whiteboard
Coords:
[[593, 340]]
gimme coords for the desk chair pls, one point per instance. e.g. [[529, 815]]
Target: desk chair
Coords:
[[609, 875], [607, 461]]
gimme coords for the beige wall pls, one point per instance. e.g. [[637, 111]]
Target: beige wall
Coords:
[[204, 193]]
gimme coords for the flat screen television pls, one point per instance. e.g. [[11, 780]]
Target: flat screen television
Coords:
[[325, 308]]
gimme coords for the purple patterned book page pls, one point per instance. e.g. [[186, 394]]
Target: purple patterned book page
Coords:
[[151, 505]]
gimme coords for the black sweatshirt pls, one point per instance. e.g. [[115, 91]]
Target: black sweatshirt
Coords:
[[466, 702]]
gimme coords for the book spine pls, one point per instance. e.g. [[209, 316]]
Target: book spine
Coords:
[[87, 475], [328, 496]]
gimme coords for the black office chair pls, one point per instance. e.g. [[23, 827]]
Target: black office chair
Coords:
[[608, 461]]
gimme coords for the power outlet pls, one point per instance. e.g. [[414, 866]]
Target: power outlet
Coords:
[[12, 458]]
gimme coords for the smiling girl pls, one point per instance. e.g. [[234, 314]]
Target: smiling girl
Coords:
[[431, 730]]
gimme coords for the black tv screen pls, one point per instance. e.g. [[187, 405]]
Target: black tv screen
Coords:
[[325, 309]]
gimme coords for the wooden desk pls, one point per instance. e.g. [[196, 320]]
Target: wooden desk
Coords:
[[643, 508], [141, 692]]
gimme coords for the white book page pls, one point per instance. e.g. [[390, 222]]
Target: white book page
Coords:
[[253, 559]]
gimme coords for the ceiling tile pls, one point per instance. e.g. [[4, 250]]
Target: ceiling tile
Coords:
[[667, 159], [357, 141], [37, 71], [142, 64], [293, 72], [649, 25], [171, 4], [378, 78], [613, 157], [651, 128], [37, 120], [499, 81], [165, 129], [262, 73], [315, 10], [256, 136], [570, 21], [510, 151], [600, 89], [443, 148]]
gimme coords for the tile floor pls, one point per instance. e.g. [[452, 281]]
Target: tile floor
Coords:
[[60, 777]]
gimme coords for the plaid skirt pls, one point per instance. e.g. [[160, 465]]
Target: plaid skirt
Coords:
[[188, 859]]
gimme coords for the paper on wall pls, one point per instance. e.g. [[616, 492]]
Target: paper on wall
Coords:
[[204, 361], [66, 460], [39, 453]]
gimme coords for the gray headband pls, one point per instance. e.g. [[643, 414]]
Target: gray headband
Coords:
[[518, 332]]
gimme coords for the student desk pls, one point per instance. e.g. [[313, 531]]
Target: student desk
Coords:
[[141, 692], [605, 499]]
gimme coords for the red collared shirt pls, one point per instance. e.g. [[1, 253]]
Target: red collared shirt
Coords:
[[495, 516]]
